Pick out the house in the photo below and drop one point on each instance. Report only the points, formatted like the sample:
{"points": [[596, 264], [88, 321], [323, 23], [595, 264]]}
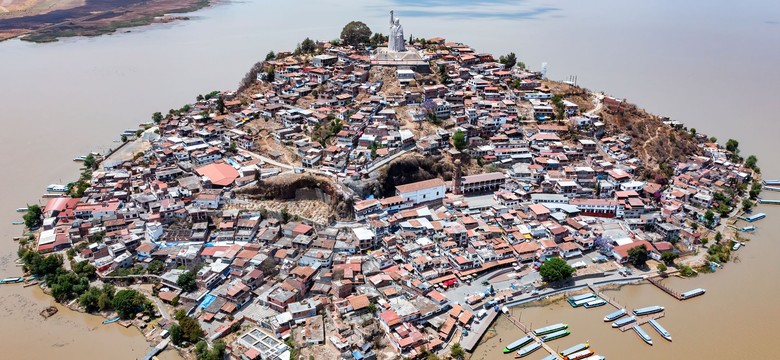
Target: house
{"points": [[422, 191]]}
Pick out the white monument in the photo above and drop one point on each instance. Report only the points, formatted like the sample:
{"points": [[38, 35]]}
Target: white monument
{"points": [[395, 41]]}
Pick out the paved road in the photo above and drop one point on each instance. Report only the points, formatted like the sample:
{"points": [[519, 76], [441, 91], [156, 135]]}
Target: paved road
{"points": [[161, 306], [387, 160]]}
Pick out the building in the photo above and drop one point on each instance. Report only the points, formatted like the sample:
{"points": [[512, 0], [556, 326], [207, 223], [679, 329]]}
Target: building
{"points": [[482, 182], [422, 191]]}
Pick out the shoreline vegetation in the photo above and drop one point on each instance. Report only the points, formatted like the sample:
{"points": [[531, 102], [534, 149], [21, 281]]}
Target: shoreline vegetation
{"points": [[95, 19], [663, 143]]}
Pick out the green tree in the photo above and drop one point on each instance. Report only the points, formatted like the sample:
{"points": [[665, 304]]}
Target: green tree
{"points": [[638, 255], [128, 302], [693, 131], [457, 352], [270, 56], [285, 215], [459, 140], [718, 237], [176, 334], [661, 267], [123, 138], [751, 163], [308, 46], [747, 205], [355, 33], [555, 269], [709, 218], [84, 268], [509, 60], [89, 299], [156, 267], [270, 76], [90, 162], [713, 139], [157, 117], [668, 257], [520, 65], [33, 218], [191, 330], [186, 281], [732, 145]]}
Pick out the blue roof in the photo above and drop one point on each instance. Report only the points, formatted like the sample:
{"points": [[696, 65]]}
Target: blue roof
{"points": [[357, 355]]}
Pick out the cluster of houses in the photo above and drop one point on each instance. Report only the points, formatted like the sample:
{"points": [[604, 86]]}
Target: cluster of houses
{"points": [[549, 195]]}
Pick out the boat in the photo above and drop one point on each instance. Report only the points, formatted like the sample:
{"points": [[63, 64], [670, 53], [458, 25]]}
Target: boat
{"points": [[581, 297], [529, 349], [11, 280], [21, 209], [665, 334], [736, 246], [57, 188], [579, 303], [579, 355], [692, 293], [595, 303], [112, 320], [518, 343], [48, 312], [81, 158], [555, 335], [771, 182], [747, 228], [615, 315], [551, 357], [754, 217], [17, 222], [51, 195], [642, 334], [623, 322], [574, 349], [648, 310], [550, 329], [595, 357]]}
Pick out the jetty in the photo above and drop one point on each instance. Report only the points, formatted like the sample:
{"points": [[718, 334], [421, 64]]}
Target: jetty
{"points": [[530, 333], [640, 320], [157, 349], [609, 300], [665, 288], [470, 341]]}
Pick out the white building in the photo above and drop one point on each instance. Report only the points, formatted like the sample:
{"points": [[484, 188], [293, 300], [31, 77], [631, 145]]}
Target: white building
{"points": [[422, 191], [153, 231]]}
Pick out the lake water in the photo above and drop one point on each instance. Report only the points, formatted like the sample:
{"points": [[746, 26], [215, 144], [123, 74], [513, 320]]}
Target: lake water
{"points": [[709, 64]]}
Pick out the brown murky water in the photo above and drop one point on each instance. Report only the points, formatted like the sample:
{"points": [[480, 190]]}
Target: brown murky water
{"points": [[711, 66]]}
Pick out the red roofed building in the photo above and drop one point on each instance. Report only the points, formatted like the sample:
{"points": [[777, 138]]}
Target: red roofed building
{"points": [[219, 175]]}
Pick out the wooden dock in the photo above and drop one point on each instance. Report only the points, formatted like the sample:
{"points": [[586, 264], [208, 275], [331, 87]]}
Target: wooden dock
{"points": [[665, 288], [609, 300], [530, 333], [642, 320]]}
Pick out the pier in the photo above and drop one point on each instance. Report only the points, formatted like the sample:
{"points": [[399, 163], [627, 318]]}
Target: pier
{"points": [[157, 349], [640, 320], [530, 333], [665, 288], [607, 299], [470, 341]]}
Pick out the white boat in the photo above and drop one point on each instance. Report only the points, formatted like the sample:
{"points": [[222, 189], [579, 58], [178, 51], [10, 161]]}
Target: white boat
{"points": [[574, 349], [21, 210], [736, 246], [596, 303], [615, 315], [665, 334], [624, 321], [80, 158], [693, 293], [57, 188], [642, 334], [529, 349], [648, 310]]}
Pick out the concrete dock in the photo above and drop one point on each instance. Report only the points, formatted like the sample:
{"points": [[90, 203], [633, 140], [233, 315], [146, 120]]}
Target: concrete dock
{"points": [[470, 341], [640, 320]]}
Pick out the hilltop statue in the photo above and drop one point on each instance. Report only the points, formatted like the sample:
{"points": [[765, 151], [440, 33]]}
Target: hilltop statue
{"points": [[395, 41]]}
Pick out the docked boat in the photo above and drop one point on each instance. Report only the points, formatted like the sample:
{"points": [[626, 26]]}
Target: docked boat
{"points": [[550, 329], [518, 343], [581, 297], [623, 322], [582, 354], [642, 334], [754, 217], [595, 357], [551, 357], [57, 188], [582, 302], [555, 335], [81, 158], [665, 334], [736, 246], [21, 209], [771, 182], [50, 195], [615, 315], [112, 320], [11, 280], [574, 349], [595, 303], [17, 222], [693, 293], [747, 228], [528, 349], [648, 310]]}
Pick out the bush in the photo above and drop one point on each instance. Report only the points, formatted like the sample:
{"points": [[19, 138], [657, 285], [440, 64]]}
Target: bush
{"points": [[555, 269]]}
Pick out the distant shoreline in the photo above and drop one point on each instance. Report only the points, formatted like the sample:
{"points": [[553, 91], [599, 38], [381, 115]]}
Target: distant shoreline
{"points": [[95, 19]]}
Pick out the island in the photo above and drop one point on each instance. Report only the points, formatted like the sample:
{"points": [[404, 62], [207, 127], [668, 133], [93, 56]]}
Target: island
{"points": [[363, 195], [47, 20]]}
